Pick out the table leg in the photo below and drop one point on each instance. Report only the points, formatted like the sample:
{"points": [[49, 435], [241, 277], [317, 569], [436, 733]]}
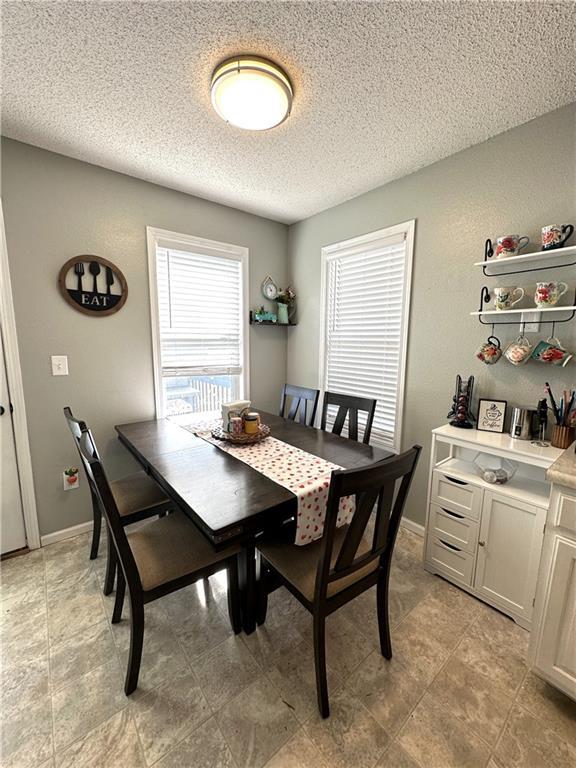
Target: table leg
{"points": [[247, 577]]}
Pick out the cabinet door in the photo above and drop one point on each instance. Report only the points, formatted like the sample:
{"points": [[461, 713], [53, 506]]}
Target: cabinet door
{"points": [[509, 547], [556, 653]]}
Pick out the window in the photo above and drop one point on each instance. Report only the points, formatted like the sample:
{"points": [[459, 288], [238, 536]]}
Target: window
{"points": [[199, 311], [366, 297]]}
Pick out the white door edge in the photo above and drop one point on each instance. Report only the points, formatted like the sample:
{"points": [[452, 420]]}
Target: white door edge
{"points": [[14, 375]]}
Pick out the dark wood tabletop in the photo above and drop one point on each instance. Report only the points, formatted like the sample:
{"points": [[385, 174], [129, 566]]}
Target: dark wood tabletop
{"points": [[225, 497]]}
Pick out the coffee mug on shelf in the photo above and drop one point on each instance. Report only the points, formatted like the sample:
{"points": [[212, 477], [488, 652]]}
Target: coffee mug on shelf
{"points": [[510, 245], [490, 351], [504, 297], [556, 235], [548, 294], [551, 351], [518, 352]]}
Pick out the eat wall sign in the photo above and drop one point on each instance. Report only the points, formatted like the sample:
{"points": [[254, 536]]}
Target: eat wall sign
{"points": [[93, 285]]}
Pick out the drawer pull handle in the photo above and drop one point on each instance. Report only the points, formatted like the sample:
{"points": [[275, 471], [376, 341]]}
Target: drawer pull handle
{"points": [[450, 546], [454, 480], [452, 514], [481, 543]]}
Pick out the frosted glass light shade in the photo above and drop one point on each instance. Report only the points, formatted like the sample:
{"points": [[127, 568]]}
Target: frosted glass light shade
{"points": [[251, 93]]}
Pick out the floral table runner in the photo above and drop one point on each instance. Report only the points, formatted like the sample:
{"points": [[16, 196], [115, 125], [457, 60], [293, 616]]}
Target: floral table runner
{"points": [[306, 475]]}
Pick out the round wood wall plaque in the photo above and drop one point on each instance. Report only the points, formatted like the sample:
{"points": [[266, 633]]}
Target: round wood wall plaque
{"points": [[93, 285]]}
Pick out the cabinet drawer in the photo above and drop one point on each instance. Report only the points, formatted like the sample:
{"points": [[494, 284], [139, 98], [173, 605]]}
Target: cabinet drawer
{"points": [[450, 560], [453, 528], [456, 495], [567, 512]]}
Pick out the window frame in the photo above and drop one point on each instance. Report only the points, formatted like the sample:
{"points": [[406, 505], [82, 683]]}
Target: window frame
{"points": [[163, 238], [341, 248]]}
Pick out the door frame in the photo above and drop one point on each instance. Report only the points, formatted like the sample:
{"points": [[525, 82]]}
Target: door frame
{"points": [[14, 376]]}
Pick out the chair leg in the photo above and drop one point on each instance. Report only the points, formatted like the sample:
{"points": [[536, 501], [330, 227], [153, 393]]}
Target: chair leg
{"points": [[97, 515], [119, 601], [383, 618], [234, 609], [262, 602], [111, 564], [136, 642], [320, 663]]}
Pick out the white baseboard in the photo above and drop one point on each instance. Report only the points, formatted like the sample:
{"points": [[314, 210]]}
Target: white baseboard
{"points": [[412, 526], [66, 533]]}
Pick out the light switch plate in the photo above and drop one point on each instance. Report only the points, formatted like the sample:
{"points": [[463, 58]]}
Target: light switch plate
{"points": [[59, 365]]}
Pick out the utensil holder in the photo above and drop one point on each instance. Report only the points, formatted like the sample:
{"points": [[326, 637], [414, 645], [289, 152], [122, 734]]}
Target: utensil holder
{"points": [[562, 437]]}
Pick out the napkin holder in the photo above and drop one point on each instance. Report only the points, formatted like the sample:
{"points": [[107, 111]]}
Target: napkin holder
{"points": [[233, 409]]}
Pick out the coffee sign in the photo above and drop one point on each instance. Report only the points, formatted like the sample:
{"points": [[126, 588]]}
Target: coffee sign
{"points": [[93, 285]]}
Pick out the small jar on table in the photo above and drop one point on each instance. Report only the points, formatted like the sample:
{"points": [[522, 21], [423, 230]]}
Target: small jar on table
{"points": [[251, 423]]}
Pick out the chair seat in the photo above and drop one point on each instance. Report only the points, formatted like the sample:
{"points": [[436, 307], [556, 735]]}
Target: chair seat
{"points": [[137, 493], [171, 547], [299, 565]]}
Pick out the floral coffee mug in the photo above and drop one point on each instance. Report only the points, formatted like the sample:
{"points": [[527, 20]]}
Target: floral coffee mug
{"points": [[551, 351], [510, 245], [518, 352], [490, 351], [504, 297], [555, 235], [548, 294]]}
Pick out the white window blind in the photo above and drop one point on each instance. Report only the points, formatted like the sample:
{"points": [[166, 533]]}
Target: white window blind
{"points": [[366, 300], [198, 291], [199, 307]]}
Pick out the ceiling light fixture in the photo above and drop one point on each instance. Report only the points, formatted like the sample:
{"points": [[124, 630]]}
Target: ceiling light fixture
{"points": [[251, 93]]}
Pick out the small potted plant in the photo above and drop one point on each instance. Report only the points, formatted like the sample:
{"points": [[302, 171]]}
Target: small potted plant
{"points": [[286, 301]]}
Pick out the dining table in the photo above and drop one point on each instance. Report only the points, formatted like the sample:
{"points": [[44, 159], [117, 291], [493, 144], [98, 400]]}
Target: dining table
{"points": [[228, 500]]}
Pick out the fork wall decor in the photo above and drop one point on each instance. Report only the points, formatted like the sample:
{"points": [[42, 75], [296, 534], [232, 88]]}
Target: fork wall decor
{"points": [[93, 285]]}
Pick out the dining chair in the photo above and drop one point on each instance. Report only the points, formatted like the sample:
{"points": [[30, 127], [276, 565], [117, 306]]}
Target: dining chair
{"points": [[158, 558], [349, 405], [347, 560], [137, 497], [298, 399]]}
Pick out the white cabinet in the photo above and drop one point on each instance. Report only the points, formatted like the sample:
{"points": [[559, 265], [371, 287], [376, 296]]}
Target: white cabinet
{"points": [[553, 640], [509, 549], [487, 538]]}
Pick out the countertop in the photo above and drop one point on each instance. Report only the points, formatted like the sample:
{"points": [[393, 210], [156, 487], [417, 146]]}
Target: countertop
{"points": [[563, 471]]}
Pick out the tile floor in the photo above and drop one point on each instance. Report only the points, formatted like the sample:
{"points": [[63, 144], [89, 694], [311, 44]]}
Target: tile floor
{"points": [[456, 694]]}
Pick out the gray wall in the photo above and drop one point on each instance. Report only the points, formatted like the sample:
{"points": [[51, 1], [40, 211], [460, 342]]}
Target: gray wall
{"points": [[514, 183], [56, 208]]}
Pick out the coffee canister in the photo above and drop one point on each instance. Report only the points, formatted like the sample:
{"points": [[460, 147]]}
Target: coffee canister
{"points": [[522, 423]]}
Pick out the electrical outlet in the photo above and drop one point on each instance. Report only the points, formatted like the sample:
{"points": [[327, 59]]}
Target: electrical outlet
{"points": [[59, 365], [70, 479]]}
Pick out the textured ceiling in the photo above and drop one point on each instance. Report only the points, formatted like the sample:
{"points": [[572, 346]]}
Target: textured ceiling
{"points": [[381, 89]]}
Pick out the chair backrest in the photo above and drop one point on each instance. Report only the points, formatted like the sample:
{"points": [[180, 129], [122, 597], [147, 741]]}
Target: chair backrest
{"points": [[100, 486], [300, 397], [349, 405], [380, 490]]}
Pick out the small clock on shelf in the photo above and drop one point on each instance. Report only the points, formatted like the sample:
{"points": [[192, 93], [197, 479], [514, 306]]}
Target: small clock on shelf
{"points": [[269, 289]]}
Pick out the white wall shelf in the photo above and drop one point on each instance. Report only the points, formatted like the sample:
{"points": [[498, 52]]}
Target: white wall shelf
{"points": [[524, 311], [529, 262], [522, 315]]}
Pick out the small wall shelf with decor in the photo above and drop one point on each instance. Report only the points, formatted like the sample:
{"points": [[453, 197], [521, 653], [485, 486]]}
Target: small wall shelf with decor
{"points": [[253, 321], [529, 262]]}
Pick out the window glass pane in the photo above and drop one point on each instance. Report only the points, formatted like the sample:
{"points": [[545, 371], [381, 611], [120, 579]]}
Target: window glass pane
{"points": [[198, 394]]}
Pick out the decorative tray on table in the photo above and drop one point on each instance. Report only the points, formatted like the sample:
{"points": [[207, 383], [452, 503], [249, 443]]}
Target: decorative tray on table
{"points": [[242, 438]]}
